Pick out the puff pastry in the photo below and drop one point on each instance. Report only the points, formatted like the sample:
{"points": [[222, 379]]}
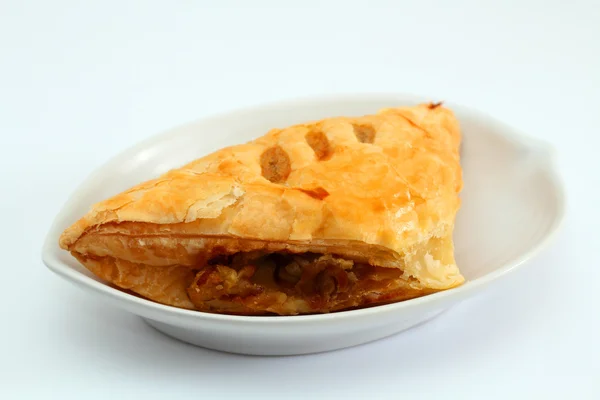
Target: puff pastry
{"points": [[318, 217]]}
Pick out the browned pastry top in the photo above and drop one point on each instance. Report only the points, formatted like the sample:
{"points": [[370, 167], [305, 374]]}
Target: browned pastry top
{"points": [[379, 189]]}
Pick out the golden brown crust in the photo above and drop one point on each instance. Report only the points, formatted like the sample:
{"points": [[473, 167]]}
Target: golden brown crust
{"points": [[382, 187], [165, 285]]}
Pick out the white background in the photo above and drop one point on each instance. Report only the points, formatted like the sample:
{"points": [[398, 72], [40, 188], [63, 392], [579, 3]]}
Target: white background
{"points": [[80, 82]]}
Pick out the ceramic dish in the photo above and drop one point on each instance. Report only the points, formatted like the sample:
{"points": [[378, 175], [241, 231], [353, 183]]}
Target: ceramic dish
{"points": [[512, 203]]}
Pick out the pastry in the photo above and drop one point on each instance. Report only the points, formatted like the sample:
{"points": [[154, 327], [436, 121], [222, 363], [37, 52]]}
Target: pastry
{"points": [[324, 216]]}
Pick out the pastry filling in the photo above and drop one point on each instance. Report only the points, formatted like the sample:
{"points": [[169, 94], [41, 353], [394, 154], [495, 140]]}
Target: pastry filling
{"points": [[278, 283]]}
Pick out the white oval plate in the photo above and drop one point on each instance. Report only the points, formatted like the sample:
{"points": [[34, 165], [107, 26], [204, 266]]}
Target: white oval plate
{"points": [[512, 203]]}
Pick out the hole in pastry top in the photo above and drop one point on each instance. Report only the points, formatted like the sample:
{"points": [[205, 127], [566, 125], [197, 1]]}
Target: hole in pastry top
{"points": [[320, 144], [364, 133], [275, 164], [317, 193]]}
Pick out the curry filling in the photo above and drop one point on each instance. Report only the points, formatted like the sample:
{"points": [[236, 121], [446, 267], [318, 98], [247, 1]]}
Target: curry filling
{"points": [[278, 283]]}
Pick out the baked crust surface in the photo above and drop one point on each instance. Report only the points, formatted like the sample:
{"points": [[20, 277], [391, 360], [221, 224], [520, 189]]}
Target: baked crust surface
{"points": [[379, 190]]}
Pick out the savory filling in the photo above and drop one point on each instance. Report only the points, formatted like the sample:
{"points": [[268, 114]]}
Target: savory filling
{"points": [[278, 283]]}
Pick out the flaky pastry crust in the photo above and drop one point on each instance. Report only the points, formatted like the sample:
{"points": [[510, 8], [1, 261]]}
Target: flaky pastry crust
{"points": [[380, 190]]}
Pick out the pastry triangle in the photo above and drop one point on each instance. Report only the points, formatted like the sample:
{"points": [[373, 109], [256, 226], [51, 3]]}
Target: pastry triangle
{"points": [[318, 217]]}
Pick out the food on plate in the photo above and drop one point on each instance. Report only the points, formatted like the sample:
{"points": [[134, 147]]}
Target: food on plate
{"points": [[324, 216]]}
